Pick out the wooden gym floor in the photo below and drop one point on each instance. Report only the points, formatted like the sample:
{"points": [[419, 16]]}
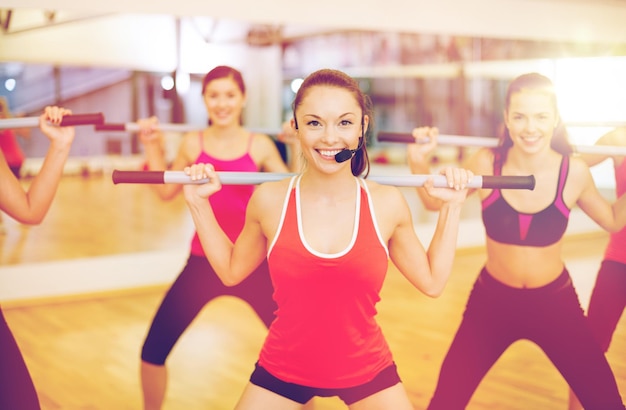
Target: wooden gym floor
{"points": [[83, 352]]}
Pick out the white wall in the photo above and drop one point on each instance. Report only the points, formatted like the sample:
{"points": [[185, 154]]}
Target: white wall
{"points": [[149, 42]]}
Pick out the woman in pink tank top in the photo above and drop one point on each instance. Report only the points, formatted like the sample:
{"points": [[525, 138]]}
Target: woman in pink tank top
{"points": [[328, 235], [608, 298], [10, 146], [227, 145]]}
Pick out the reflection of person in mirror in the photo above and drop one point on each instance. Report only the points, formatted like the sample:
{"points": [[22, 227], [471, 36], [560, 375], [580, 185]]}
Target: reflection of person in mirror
{"points": [[608, 298], [328, 235], [228, 145], [524, 290], [10, 146], [29, 207]]}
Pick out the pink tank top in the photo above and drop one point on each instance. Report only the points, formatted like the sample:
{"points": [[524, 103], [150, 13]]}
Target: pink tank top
{"points": [[11, 148], [229, 204], [325, 334], [616, 250]]}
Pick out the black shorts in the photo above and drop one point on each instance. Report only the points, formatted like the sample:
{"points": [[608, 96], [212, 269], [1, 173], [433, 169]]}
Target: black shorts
{"points": [[387, 377]]}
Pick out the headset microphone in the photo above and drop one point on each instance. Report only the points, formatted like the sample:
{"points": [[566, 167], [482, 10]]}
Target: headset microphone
{"points": [[346, 154]]}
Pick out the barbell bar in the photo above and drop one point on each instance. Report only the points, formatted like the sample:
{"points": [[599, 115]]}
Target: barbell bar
{"points": [[67, 121], [253, 178], [607, 124], [169, 127], [468, 141]]}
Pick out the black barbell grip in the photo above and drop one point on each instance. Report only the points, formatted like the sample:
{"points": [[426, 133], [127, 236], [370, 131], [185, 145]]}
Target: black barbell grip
{"points": [[138, 177], [508, 182], [111, 127], [82, 119]]}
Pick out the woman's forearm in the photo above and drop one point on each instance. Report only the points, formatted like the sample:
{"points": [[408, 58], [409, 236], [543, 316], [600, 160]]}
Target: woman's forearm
{"points": [[155, 156], [217, 246], [443, 246], [42, 190]]}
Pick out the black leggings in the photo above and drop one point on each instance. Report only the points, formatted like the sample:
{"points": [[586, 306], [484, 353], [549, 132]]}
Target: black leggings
{"points": [[16, 386], [196, 286], [497, 315], [607, 302], [386, 378]]}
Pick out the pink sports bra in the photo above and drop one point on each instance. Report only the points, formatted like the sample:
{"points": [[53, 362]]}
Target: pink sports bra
{"points": [[229, 204]]}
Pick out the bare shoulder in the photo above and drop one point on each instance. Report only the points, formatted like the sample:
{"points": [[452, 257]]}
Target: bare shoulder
{"points": [[266, 205], [266, 154], [579, 180], [481, 162], [188, 150], [578, 168], [191, 138], [262, 141], [190, 144], [270, 195], [386, 198], [390, 208]]}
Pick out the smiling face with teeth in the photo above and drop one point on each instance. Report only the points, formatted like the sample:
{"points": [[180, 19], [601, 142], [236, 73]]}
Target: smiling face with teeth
{"points": [[331, 114], [531, 118], [329, 120]]}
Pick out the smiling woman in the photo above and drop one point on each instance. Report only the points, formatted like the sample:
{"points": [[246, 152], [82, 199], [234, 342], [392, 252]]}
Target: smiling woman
{"points": [[288, 222], [229, 146], [524, 290]]}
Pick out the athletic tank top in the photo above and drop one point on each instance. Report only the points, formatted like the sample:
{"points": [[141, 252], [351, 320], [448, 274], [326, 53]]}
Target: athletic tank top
{"points": [[616, 249], [325, 334], [229, 203], [506, 225], [11, 148]]}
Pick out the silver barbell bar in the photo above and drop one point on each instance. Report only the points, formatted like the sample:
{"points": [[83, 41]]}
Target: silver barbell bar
{"points": [[607, 124], [254, 178], [171, 127], [468, 141], [67, 121]]}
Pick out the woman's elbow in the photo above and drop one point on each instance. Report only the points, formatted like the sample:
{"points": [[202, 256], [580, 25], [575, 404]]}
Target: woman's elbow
{"points": [[166, 196], [433, 291], [230, 282], [30, 219], [613, 227], [431, 206], [433, 295]]}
